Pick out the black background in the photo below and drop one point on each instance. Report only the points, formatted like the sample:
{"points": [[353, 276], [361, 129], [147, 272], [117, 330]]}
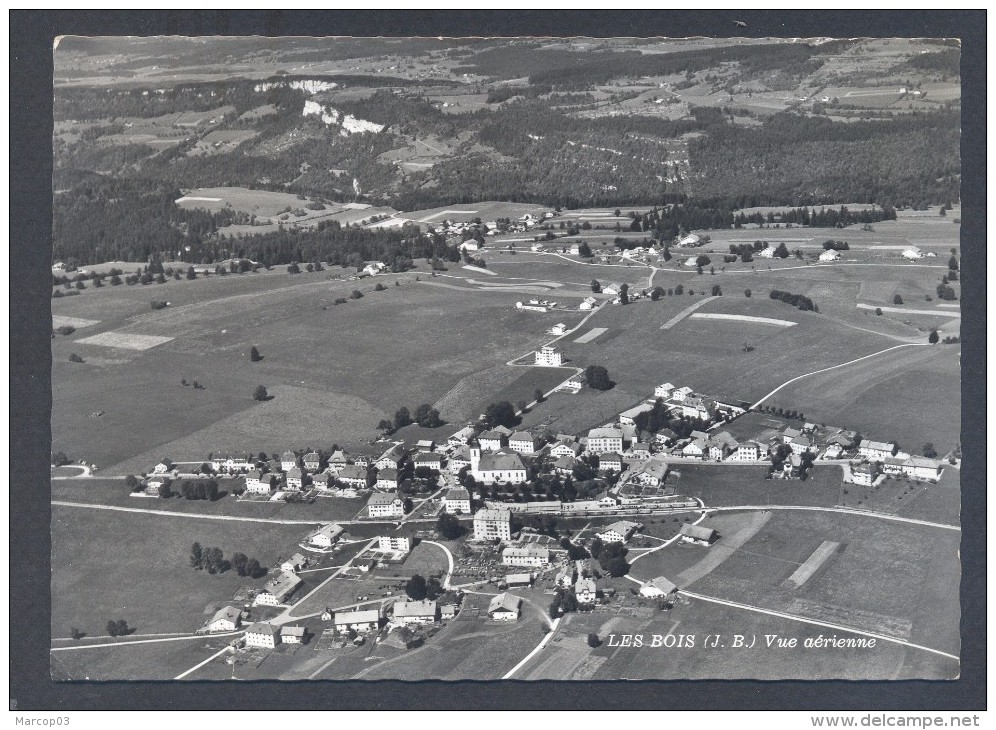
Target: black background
{"points": [[31, 41]]}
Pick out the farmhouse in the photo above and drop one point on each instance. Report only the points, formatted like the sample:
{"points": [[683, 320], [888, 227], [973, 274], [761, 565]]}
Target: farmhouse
{"points": [[387, 479], [519, 580], [801, 445], [749, 451], [362, 460], [312, 462], [461, 437], [619, 531], [261, 484], [766, 253], [358, 621], [263, 635], [564, 466], [392, 543], [585, 590], [698, 407], [288, 460], [393, 458], [627, 417], [659, 587], [530, 556], [697, 535], [663, 391], [385, 505], [650, 474], [522, 442], [680, 394], [322, 481], [912, 253], [829, 255], [549, 357], [492, 440], [374, 268], [163, 467], [230, 464], [408, 613], [876, 450], [610, 462], [326, 536], [689, 240], [295, 479], [278, 590], [920, 467], [294, 634], [228, 618], [602, 440], [429, 461], [566, 448], [864, 474], [497, 466], [696, 448], [565, 578], [353, 475], [558, 329], [572, 386], [504, 607], [459, 459], [588, 303], [722, 445], [457, 501], [493, 524], [845, 439], [294, 563]]}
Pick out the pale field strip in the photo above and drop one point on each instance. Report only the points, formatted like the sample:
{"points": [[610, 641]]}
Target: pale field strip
{"points": [[684, 313], [912, 311], [591, 334], [745, 318], [954, 306], [445, 212], [815, 561], [125, 341], [197, 198], [59, 320]]}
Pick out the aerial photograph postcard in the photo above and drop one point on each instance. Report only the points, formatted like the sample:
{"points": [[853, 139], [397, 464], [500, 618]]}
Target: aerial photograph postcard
{"points": [[505, 358]]}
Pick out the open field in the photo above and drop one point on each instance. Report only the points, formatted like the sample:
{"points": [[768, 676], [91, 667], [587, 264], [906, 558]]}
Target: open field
{"points": [[134, 566], [164, 660], [876, 397]]}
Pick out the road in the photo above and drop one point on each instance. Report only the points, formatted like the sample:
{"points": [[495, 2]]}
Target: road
{"points": [[685, 312], [840, 510], [834, 367], [194, 515], [449, 558]]}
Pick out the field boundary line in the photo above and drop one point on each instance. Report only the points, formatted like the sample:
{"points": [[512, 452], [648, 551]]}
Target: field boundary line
{"points": [[194, 515], [838, 510], [834, 367], [206, 661], [539, 647], [685, 312], [815, 622], [145, 641]]}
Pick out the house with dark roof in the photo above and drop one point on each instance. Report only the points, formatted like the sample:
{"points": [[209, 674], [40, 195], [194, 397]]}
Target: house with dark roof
{"points": [[228, 618], [278, 589], [387, 480], [456, 501], [288, 460], [504, 607], [697, 534], [312, 462]]}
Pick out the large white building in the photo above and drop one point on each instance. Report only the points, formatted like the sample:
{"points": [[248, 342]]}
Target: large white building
{"points": [[531, 556], [394, 543], [278, 590], [523, 442], [263, 635], [385, 505], [601, 440], [493, 524], [619, 531], [876, 450], [663, 391], [457, 501], [497, 466], [549, 357]]}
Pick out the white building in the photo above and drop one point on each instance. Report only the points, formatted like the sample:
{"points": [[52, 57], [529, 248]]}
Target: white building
{"points": [[619, 531], [530, 556], [326, 536], [601, 440], [385, 505], [394, 543], [288, 460], [558, 329], [457, 501], [408, 613], [497, 466], [680, 394], [522, 442], [358, 621], [278, 590], [549, 357], [493, 524], [228, 618], [294, 563], [293, 634], [659, 587], [829, 255], [588, 303], [876, 450], [585, 590], [263, 635], [663, 391], [504, 607], [461, 437], [920, 467]]}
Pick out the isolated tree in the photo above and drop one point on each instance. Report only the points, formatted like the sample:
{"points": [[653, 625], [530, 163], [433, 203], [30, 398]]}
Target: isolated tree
{"points": [[501, 413], [538, 395], [191, 274], [293, 269], [782, 251], [656, 293], [356, 294], [131, 481], [112, 628], [123, 628], [953, 263], [593, 640], [196, 556], [933, 337], [75, 358], [717, 291], [929, 451], [584, 250], [597, 377], [385, 425], [401, 418], [878, 311], [260, 393], [747, 293], [76, 633], [254, 355], [596, 286], [897, 299], [624, 294], [240, 562], [416, 588]]}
